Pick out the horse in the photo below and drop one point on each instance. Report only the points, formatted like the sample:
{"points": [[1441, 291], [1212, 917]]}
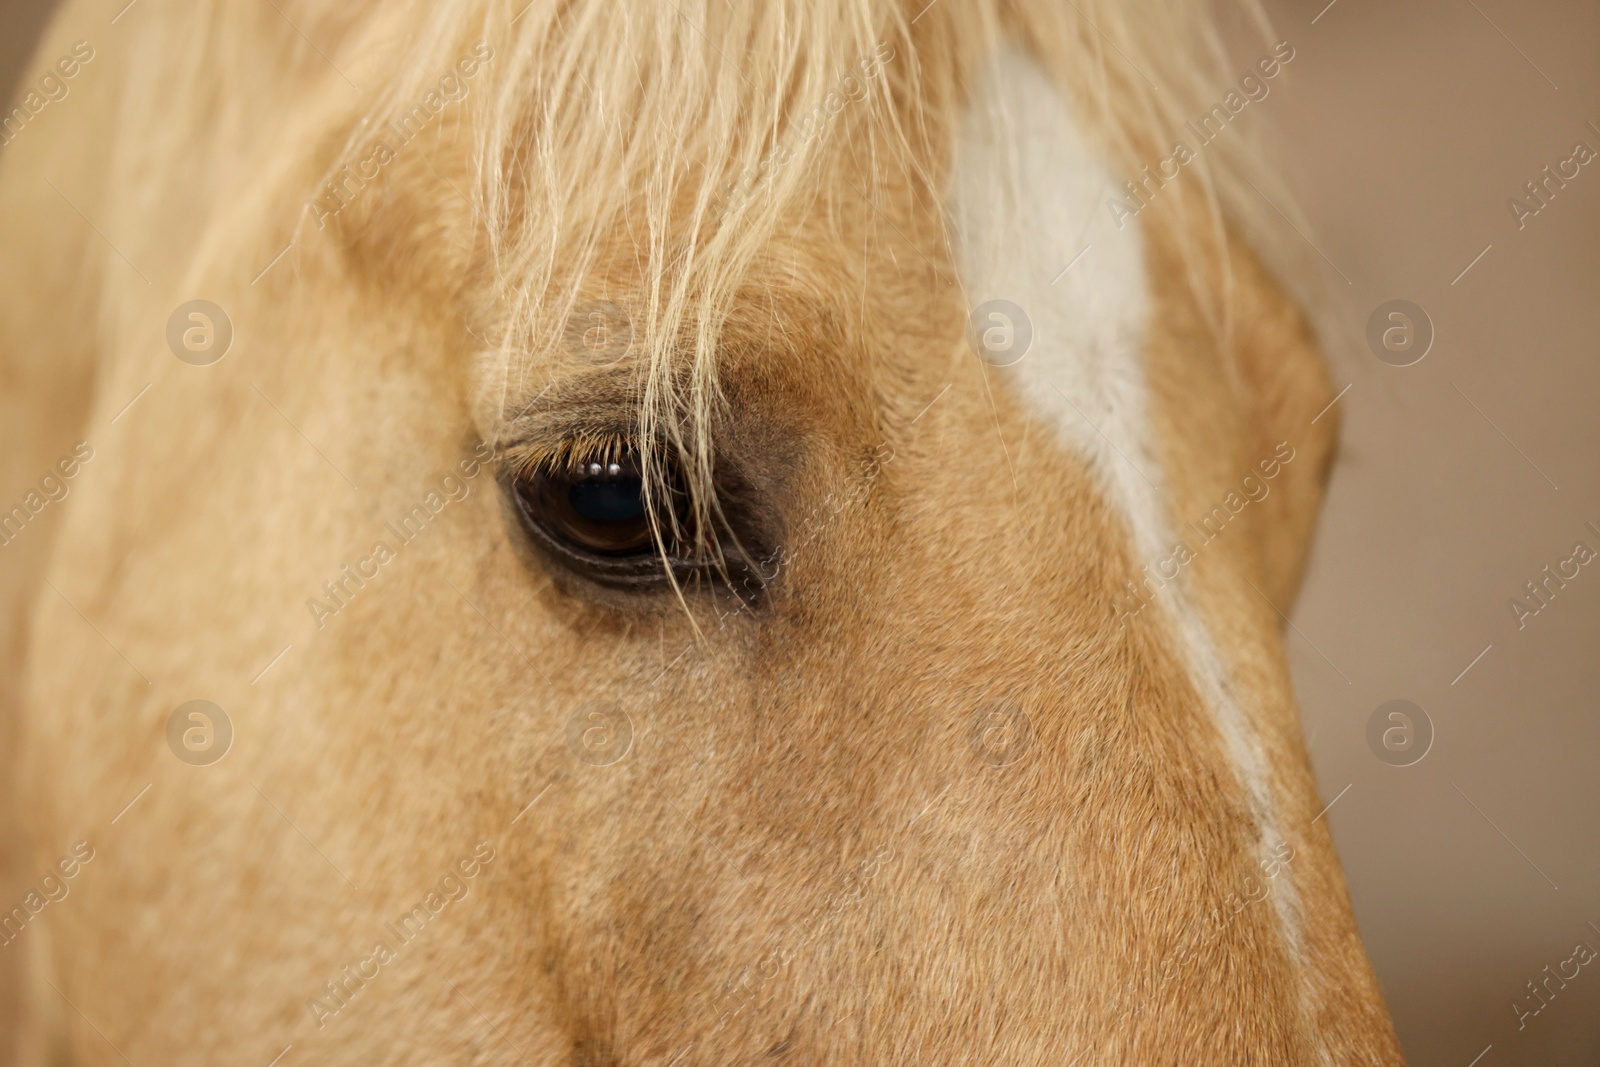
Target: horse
{"points": [[617, 532]]}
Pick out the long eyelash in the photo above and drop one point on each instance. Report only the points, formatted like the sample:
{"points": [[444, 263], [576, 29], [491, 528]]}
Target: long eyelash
{"points": [[569, 453]]}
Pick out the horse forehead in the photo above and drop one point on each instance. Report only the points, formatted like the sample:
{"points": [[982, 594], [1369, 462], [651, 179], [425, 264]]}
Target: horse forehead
{"points": [[1029, 200], [1028, 194]]}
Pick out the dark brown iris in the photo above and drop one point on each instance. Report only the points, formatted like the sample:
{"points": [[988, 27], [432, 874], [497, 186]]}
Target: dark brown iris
{"points": [[596, 507]]}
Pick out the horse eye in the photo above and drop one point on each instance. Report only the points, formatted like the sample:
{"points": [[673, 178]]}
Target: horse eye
{"points": [[592, 518], [596, 508]]}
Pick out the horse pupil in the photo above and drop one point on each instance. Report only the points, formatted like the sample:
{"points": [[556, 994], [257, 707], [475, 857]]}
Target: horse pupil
{"points": [[608, 499]]}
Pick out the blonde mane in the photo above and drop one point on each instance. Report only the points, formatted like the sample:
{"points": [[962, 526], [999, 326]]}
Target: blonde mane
{"points": [[698, 129]]}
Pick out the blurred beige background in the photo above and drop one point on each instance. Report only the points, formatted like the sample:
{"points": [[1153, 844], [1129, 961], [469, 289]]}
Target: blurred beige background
{"points": [[1403, 130]]}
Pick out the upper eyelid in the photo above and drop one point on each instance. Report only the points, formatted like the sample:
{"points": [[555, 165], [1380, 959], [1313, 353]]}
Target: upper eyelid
{"points": [[594, 412], [564, 399], [549, 448]]}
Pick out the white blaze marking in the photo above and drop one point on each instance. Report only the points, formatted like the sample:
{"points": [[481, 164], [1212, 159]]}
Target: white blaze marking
{"points": [[1027, 192]]}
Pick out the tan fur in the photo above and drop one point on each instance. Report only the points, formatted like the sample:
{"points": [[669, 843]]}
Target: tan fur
{"points": [[801, 857]]}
